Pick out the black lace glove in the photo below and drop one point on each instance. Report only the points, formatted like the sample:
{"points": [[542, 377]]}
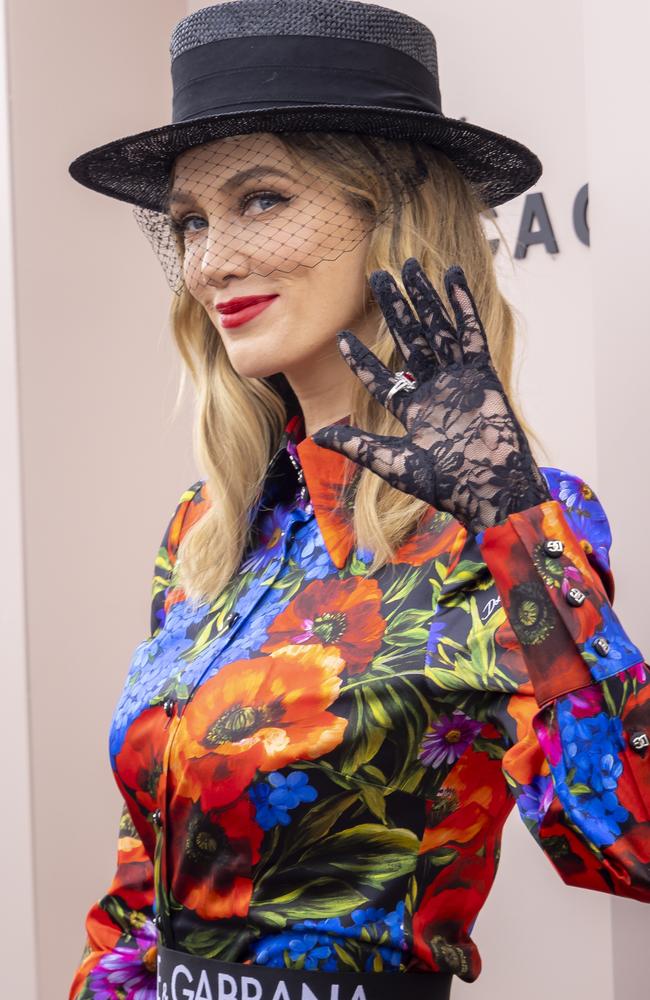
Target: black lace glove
{"points": [[464, 451]]}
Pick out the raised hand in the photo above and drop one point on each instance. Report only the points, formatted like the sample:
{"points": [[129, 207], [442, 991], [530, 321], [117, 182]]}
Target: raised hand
{"points": [[464, 450]]}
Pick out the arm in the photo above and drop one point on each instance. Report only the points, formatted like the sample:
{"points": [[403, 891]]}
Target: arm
{"points": [[579, 766], [188, 510], [121, 937], [465, 452]]}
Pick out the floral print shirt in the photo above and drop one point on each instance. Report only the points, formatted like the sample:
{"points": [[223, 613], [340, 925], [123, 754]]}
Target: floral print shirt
{"points": [[317, 766]]}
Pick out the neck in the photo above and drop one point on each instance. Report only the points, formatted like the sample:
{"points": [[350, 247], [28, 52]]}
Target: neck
{"points": [[324, 385]]}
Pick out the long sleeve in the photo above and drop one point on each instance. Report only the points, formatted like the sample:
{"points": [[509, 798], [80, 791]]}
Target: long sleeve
{"points": [[119, 953], [120, 945], [579, 765]]}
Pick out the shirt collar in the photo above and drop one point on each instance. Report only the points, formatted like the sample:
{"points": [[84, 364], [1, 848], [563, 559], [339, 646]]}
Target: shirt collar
{"points": [[324, 474]]}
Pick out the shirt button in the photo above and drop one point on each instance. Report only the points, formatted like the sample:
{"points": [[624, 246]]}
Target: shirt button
{"points": [[157, 921], [169, 705], [232, 619], [639, 742], [553, 547], [575, 597], [601, 645], [156, 819]]}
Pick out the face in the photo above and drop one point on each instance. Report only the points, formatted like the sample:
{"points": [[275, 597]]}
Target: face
{"points": [[256, 226]]}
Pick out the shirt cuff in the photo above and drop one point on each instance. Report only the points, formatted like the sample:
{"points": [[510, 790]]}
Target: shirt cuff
{"points": [[555, 601]]}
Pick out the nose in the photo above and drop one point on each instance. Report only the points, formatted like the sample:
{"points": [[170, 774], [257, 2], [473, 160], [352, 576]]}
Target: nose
{"points": [[219, 256]]}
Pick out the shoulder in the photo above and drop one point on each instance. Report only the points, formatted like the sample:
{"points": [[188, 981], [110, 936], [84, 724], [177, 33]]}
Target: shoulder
{"points": [[192, 504]]}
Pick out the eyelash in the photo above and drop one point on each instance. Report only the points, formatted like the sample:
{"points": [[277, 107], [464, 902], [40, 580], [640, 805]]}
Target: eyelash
{"points": [[178, 225]]}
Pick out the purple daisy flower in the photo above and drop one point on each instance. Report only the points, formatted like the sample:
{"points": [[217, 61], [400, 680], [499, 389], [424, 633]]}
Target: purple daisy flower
{"points": [[128, 972], [448, 739]]}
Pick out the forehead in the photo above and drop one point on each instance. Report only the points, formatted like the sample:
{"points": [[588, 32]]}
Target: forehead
{"points": [[223, 159]]}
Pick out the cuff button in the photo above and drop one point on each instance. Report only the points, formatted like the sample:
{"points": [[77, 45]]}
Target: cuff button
{"points": [[575, 597], [601, 646], [553, 547], [639, 742]]}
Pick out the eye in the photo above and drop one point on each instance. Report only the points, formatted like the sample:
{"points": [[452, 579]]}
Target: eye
{"points": [[262, 197], [266, 200], [180, 225]]}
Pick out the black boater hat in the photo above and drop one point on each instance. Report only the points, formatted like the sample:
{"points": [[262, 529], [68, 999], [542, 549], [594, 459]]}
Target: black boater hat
{"points": [[303, 66]]}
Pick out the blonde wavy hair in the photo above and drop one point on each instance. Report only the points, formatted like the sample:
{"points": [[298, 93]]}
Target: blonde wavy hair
{"points": [[239, 420]]}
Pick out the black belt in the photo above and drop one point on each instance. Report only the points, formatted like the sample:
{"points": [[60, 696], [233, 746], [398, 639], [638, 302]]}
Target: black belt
{"points": [[185, 977]]}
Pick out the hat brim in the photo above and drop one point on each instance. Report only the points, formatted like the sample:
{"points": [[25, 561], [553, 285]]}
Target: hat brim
{"points": [[136, 168]]}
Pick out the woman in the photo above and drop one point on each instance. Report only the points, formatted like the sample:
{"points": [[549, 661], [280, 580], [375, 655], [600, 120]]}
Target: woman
{"points": [[376, 624]]}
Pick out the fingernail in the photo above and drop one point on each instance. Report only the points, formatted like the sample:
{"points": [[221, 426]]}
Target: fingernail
{"points": [[378, 278], [456, 273]]}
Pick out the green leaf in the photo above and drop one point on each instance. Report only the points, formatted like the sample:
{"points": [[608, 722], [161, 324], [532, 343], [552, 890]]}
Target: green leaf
{"points": [[320, 820], [118, 912], [346, 960], [375, 774], [581, 789], [213, 944], [316, 899], [402, 586], [441, 856], [374, 854], [495, 751], [408, 628], [366, 742], [375, 801], [376, 708]]}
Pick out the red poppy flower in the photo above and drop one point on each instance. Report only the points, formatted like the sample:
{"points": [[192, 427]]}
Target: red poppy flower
{"points": [[577, 864], [344, 614], [477, 804], [214, 852], [139, 762], [263, 713], [434, 535], [448, 907]]}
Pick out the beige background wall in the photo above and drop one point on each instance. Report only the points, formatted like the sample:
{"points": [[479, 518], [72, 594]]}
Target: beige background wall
{"points": [[87, 356]]}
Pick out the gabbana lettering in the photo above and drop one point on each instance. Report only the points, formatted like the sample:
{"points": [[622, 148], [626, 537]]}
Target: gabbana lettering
{"points": [[227, 987]]}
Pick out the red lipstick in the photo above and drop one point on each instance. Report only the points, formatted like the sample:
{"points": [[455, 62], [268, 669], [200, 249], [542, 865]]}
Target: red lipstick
{"points": [[234, 312]]}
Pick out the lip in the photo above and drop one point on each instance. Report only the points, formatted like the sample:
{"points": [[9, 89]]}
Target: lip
{"points": [[234, 305], [239, 311]]}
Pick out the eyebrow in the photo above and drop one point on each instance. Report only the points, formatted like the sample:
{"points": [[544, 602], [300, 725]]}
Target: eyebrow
{"points": [[253, 173]]}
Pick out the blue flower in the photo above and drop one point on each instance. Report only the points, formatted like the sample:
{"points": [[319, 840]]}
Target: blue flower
{"points": [[436, 632], [275, 797], [587, 775], [148, 673], [622, 652], [535, 798], [272, 526], [315, 942], [310, 552], [313, 951], [583, 511]]}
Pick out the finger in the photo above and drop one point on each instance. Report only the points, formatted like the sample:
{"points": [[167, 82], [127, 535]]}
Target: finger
{"points": [[405, 329], [376, 377], [434, 318], [377, 452], [470, 328]]}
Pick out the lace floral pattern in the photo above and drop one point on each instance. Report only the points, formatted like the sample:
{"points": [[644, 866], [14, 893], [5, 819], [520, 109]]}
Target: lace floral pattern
{"points": [[464, 451]]}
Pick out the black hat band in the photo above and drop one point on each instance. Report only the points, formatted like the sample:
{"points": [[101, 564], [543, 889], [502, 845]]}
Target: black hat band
{"points": [[259, 71]]}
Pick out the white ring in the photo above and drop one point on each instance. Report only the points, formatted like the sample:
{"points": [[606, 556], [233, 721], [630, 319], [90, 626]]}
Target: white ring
{"points": [[401, 382]]}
